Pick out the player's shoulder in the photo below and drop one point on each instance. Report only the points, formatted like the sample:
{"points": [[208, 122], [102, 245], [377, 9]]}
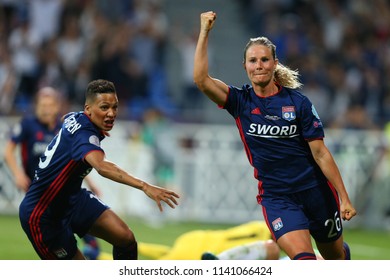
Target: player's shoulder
{"points": [[243, 93], [29, 119], [297, 97], [76, 123], [245, 89], [28, 123], [294, 93], [76, 117]]}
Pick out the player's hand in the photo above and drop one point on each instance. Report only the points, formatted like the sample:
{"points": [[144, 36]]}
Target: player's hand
{"points": [[347, 211], [160, 194], [207, 20], [22, 181]]}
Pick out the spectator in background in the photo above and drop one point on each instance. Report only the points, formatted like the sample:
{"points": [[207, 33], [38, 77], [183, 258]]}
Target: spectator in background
{"points": [[113, 62], [156, 134], [71, 50], [355, 118], [44, 18], [24, 46], [50, 68], [333, 22], [9, 10], [191, 103], [147, 49], [8, 81]]}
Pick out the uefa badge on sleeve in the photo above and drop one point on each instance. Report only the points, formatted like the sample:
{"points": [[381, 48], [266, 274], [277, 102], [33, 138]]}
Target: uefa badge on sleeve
{"points": [[288, 113]]}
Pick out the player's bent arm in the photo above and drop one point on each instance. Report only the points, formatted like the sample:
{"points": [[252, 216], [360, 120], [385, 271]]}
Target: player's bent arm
{"points": [[9, 157], [113, 172], [215, 89], [328, 166], [21, 179]]}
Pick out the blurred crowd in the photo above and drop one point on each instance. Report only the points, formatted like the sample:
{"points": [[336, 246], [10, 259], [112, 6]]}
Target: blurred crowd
{"points": [[67, 43], [341, 49]]}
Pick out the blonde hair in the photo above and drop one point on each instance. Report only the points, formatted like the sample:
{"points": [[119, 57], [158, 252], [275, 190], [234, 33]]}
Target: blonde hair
{"points": [[283, 75]]}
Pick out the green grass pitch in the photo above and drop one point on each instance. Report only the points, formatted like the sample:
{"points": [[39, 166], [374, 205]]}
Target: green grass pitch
{"points": [[365, 244]]}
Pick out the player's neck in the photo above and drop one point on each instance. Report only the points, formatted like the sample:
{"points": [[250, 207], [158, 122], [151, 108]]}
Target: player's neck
{"points": [[269, 90]]}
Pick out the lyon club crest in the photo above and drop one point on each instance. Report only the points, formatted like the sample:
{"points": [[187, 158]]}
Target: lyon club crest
{"points": [[288, 113], [277, 224]]}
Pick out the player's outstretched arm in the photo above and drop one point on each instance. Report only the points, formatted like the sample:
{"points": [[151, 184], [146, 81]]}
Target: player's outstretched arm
{"points": [[113, 172]]}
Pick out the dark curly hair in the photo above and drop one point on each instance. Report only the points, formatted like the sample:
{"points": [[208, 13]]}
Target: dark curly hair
{"points": [[97, 87]]}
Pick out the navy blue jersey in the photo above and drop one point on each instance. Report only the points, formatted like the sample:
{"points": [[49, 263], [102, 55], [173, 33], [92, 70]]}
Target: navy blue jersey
{"points": [[275, 131], [33, 138], [62, 168]]}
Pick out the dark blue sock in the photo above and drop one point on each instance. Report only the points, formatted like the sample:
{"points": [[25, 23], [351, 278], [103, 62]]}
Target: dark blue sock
{"points": [[305, 256], [125, 253], [347, 251]]}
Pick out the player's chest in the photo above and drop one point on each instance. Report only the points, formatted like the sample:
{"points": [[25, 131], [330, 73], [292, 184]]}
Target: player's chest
{"points": [[271, 111], [270, 119]]}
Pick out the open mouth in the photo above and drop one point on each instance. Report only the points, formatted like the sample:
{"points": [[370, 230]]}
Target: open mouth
{"points": [[109, 123]]}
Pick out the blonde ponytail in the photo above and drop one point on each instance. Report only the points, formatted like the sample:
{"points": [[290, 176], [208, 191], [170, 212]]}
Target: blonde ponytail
{"points": [[287, 77]]}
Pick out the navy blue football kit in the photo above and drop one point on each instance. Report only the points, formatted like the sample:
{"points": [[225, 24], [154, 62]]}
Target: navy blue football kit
{"points": [[55, 205], [275, 131]]}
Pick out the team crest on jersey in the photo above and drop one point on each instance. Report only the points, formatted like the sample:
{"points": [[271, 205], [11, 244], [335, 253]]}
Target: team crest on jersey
{"points": [[288, 113], [277, 224]]}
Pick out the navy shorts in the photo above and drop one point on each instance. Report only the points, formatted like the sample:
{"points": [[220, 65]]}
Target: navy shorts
{"points": [[316, 209], [55, 238]]}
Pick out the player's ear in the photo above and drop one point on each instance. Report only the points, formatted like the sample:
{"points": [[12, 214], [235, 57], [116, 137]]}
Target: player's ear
{"points": [[87, 110]]}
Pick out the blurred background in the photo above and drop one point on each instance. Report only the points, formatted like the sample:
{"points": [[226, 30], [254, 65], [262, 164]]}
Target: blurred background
{"points": [[168, 132]]}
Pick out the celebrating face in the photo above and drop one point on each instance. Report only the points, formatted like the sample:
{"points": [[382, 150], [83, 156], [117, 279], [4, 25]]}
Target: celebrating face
{"points": [[260, 65], [103, 110]]}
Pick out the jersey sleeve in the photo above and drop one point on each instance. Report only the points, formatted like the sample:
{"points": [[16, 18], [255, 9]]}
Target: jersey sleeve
{"points": [[235, 100], [85, 141], [19, 132], [312, 127]]}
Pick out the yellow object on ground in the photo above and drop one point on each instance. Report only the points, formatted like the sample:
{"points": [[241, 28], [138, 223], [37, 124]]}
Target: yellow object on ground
{"points": [[191, 245]]}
